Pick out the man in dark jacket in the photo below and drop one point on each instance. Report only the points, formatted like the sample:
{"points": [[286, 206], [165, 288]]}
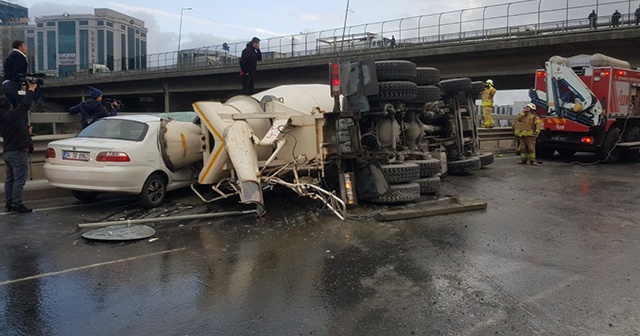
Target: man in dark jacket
{"points": [[16, 148], [249, 64], [92, 108], [15, 66]]}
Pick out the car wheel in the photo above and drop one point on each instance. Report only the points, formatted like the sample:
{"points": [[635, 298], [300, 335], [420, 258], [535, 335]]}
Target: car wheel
{"points": [[455, 85], [396, 71], [84, 196], [399, 193], [429, 185], [153, 191], [428, 167], [428, 93], [609, 152], [427, 76], [396, 90], [401, 173], [464, 167]]}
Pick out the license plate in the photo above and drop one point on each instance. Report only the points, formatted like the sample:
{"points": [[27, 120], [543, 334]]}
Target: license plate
{"points": [[79, 156], [559, 138]]}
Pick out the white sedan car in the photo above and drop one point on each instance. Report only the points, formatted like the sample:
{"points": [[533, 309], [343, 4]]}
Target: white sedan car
{"points": [[134, 154]]}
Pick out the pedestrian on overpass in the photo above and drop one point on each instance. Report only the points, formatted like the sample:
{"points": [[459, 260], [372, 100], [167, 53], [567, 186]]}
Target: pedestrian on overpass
{"points": [[637, 15], [487, 103], [16, 149], [593, 20], [249, 64], [615, 18], [527, 128]]}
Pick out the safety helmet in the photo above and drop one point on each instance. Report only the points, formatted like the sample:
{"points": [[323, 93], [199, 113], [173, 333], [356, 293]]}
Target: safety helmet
{"points": [[531, 106], [489, 82]]}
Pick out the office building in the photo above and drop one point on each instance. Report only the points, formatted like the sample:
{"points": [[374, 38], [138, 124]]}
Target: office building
{"points": [[71, 43]]}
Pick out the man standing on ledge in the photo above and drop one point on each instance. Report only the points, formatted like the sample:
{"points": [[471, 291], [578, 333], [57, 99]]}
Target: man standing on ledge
{"points": [[249, 64], [487, 103]]}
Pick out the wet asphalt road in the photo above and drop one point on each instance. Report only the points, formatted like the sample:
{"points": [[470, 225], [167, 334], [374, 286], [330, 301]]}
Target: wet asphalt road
{"points": [[555, 253]]}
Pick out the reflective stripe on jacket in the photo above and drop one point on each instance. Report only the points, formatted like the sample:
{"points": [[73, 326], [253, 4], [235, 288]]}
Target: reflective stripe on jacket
{"points": [[528, 124], [487, 96]]}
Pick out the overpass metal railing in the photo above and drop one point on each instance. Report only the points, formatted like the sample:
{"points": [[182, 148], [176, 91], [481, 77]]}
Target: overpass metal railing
{"points": [[516, 19]]}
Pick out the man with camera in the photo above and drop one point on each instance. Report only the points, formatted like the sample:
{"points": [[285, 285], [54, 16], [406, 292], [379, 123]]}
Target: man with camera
{"points": [[16, 148], [92, 109]]}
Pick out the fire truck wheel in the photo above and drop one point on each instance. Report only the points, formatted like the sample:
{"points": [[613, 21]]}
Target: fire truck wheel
{"points": [[396, 71], [427, 76], [401, 173], [428, 93], [429, 185], [396, 90], [544, 152], [566, 153], [609, 152], [84, 196], [486, 159], [455, 85], [428, 167], [463, 167], [399, 193], [632, 136]]}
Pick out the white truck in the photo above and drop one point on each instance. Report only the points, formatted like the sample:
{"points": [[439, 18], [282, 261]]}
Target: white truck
{"points": [[381, 132]]}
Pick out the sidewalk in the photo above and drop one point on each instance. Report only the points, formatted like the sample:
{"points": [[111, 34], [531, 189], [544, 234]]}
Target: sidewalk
{"points": [[37, 190]]}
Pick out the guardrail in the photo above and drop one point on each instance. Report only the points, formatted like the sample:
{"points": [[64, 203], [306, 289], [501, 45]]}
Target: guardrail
{"points": [[498, 138]]}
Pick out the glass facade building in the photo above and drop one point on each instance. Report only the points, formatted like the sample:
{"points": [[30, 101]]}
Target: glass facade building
{"points": [[12, 14], [71, 43], [14, 25]]}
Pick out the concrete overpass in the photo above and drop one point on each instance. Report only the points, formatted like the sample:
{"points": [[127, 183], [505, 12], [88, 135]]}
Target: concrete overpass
{"points": [[510, 61]]}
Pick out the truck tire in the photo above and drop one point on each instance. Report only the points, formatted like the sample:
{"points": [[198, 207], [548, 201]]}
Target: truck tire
{"points": [[396, 90], [84, 196], [428, 93], [544, 152], [632, 136], [428, 167], [486, 159], [455, 85], [401, 173], [429, 185], [609, 153], [463, 167], [396, 71], [399, 193], [427, 76]]}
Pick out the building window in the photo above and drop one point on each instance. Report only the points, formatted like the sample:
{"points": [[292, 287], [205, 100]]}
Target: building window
{"points": [[40, 25], [123, 27], [83, 23], [40, 50], [143, 34], [131, 48], [51, 24], [30, 31], [109, 24], [84, 48], [137, 32], [101, 46], [110, 51], [52, 51], [67, 57], [123, 51], [100, 23]]}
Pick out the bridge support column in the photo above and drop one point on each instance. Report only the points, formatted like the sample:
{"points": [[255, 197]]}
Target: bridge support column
{"points": [[165, 88]]}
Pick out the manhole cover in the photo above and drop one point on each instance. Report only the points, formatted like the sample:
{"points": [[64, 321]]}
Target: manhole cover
{"points": [[121, 232]]}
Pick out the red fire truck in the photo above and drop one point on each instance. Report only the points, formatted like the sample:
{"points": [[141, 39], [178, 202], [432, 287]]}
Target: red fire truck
{"points": [[588, 103]]}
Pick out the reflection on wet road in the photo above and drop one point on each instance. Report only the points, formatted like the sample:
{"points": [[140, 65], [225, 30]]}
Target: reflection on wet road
{"points": [[553, 254]]}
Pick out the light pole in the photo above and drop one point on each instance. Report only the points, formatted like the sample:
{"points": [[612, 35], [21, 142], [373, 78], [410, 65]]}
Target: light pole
{"points": [[180, 31]]}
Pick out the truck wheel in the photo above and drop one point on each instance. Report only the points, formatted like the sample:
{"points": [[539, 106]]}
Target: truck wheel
{"points": [[486, 159], [633, 136], [84, 196], [154, 191], [609, 152], [544, 152], [566, 153], [455, 85], [463, 167], [396, 71], [429, 93], [401, 173], [427, 76], [399, 193], [428, 167], [429, 185], [397, 90]]}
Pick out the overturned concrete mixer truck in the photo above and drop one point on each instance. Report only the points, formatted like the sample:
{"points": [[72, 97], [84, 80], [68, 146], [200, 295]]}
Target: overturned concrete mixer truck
{"points": [[382, 132]]}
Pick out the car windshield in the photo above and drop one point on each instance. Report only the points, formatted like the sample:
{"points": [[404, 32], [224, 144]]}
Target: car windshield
{"points": [[115, 129]]}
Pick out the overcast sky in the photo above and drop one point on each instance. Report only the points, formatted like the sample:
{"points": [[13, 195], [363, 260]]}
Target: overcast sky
{"points": [[212, 23]]}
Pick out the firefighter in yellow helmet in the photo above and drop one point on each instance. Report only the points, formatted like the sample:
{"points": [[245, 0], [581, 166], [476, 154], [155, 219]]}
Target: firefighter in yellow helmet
{"points": [[527, 128], [487, 103]]}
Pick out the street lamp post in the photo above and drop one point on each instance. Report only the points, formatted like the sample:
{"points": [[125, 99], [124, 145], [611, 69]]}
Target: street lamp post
{"points": [[180, 31]]}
